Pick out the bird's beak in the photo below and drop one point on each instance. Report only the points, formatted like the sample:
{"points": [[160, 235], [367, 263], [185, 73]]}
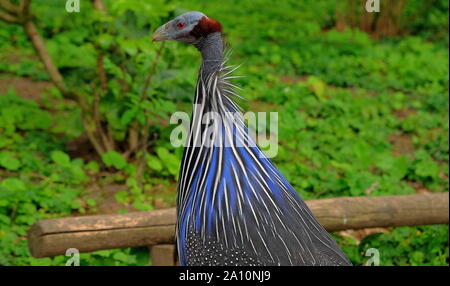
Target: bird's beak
{"points": [[161, 34]]}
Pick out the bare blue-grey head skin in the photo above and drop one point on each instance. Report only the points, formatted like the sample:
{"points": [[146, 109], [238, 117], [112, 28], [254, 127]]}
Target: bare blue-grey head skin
{"points": [[199, 30], [234, 207], [179, 29]]}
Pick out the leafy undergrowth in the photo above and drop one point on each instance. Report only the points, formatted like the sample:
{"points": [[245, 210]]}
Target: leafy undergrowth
{"points": [[357, 117], [402, 246]]}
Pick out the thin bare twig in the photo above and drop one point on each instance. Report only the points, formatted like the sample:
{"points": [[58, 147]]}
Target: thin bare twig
{"points": [[105, 136], [105, 139], [89, 124], [152, 72], [133, 139], [98, 125], [92, 138], [109, 135], [96, 102], [101, 73], [145, 132]]}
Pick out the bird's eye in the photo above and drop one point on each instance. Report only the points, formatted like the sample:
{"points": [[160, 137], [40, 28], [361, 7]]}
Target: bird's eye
{"points": [[180, 25]]}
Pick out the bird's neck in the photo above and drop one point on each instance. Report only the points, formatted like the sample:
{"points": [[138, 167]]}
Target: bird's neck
{"points": [[211, 48]]}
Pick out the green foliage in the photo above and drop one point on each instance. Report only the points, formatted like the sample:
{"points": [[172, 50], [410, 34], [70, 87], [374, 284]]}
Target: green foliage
{"points": [[428, 20], [169, 163], [425, 245], [357, 117], [112, 158], [8, 161], [128, 256]]}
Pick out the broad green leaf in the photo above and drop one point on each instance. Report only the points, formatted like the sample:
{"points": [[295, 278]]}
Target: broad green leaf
{"points": [[114, 159], [154, 163], [60, 158], [13, 184], [8, 162]]}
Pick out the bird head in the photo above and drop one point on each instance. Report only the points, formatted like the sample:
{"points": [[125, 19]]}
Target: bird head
{"points": [[189, 28]]}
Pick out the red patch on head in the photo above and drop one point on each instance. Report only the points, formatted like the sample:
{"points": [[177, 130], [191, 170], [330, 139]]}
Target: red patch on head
{"points": [[206, 26]]}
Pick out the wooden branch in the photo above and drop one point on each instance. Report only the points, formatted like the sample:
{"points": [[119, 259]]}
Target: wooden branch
{"points": [[8, 18], [102, 73], [25, 7], [24, 18], [133, 139], [45, 57], [89, 127], [99, 5], [97, 129], [88, 233], [105, 135], [9, 7]]}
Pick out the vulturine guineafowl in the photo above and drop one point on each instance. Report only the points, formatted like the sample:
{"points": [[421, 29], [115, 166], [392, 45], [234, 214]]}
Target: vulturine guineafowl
{"points": [[234, 207]]}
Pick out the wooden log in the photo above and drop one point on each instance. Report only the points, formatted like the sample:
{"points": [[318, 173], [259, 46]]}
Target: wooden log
{"points": [[163, 255], [88, 233], [384, 211]]}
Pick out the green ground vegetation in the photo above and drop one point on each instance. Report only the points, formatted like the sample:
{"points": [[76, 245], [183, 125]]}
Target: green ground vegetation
{"points": [[359, 114]]}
